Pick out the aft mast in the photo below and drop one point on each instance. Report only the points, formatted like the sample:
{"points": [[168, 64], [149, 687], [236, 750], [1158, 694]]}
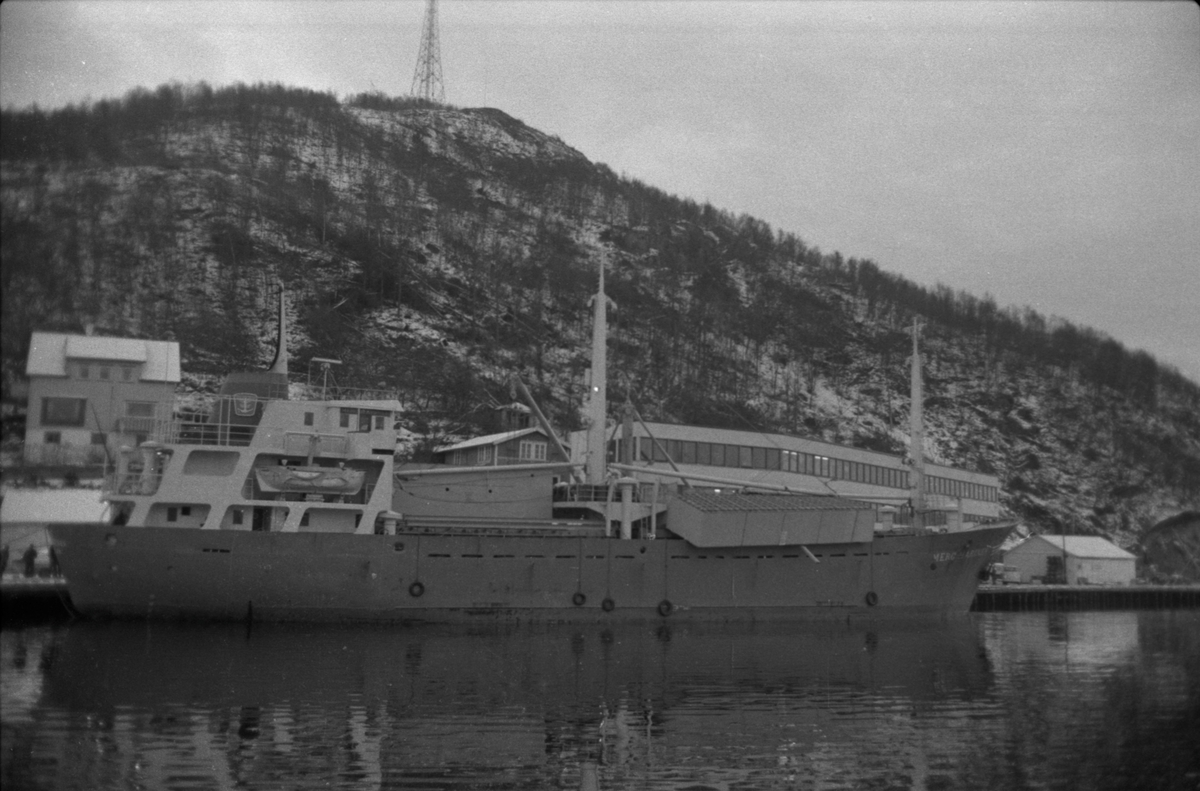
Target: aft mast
{"points": [[595, 460], [916, 447]]}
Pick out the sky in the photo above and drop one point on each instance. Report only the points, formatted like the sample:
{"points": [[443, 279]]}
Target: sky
{"points": [[1044, 153]]}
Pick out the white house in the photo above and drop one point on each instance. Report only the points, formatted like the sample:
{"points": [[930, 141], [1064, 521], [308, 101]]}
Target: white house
{"points": [[87, 392], [1074, 560]]}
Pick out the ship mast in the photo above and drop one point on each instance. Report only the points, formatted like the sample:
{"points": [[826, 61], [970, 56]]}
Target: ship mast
{"points": [[597, 406], [916, 446], [280, 364]]}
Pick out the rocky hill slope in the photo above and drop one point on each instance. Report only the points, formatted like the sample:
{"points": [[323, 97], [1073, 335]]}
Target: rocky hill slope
{"points": [[435, 250]]}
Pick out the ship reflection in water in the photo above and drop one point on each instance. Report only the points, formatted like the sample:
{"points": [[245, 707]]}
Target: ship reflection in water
{"points": [[1029, 700]]}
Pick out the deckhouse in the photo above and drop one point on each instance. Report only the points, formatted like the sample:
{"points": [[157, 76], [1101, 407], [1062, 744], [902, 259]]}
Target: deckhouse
{"points": [[715, 457]]}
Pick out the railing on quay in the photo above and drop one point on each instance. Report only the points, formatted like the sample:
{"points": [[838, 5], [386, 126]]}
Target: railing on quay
{"points": [[303, 391]]}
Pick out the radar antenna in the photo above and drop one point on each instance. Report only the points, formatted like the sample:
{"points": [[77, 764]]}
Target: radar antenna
{"points": [[427, 78]]}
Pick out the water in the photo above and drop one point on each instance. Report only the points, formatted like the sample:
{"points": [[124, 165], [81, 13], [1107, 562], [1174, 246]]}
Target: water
{"points": [[998, 701]]}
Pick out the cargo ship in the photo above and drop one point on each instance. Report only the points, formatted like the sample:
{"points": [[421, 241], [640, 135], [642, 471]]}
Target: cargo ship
{"points": [[278, 505]]}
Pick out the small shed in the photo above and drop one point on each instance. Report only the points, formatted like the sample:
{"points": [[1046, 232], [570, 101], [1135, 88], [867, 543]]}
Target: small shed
{"points": [[1072, 560]]}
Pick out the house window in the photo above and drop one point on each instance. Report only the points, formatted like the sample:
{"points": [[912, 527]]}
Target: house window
{"points": [[104, 372], [53, 437], [139, 408], [532, 451], [85, 371], [379, 422], [483, 455], [63, 411], [345, 419], [308, 418], [126, 373], [97, 438]]}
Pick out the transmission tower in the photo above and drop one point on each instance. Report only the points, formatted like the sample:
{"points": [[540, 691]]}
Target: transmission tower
{"points": [[427, 79]]}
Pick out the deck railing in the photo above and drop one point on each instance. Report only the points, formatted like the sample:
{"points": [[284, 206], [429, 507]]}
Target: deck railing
{"points": [[599, 493], [131, 483]]}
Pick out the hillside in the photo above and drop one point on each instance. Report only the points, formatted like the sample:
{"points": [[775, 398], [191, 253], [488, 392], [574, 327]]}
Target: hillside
{"points": [[435, 250]]}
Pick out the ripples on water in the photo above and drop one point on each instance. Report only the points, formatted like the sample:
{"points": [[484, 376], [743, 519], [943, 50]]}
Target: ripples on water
{"points": [[998, 701]]}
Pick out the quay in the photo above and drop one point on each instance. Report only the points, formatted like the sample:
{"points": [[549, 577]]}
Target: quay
{"points": [[1015, 598]]}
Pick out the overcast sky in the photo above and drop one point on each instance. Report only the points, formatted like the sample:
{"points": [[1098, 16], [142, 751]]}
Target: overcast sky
{"points": [[1045, 153]]}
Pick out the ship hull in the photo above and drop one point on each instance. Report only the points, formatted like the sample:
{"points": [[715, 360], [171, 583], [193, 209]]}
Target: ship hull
{"points": [[118, 571]]}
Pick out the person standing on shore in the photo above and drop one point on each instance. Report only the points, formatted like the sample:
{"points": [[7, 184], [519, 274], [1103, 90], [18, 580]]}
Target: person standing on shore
{"points": [[30, 557]]}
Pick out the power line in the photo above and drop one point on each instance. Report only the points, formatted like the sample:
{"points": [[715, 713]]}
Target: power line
{"points": [[427, 78]]}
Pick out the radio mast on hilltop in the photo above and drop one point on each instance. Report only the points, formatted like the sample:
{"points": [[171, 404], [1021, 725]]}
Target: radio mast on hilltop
{"points": [[427, 79]]}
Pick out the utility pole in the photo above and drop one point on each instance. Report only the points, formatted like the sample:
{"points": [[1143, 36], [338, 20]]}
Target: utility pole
{"points": [[427, 78]]}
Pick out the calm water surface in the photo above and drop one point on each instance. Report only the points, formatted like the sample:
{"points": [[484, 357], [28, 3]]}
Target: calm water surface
{"points": [[998, 701]]}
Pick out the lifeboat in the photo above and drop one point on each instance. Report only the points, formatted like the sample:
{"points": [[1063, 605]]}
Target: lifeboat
{"points": [[315, 480]]}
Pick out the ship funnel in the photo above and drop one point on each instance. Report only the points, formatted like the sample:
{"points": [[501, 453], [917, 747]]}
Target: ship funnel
{"points": [[243, 391]]}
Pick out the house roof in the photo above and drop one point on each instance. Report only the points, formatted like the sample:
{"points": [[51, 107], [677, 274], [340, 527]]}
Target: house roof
{"points": [[1084, 546], [490, 439], [49, 351]]}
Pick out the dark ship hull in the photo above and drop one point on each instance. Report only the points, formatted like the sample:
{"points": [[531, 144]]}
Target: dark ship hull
{"points": [[118, 571]]}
